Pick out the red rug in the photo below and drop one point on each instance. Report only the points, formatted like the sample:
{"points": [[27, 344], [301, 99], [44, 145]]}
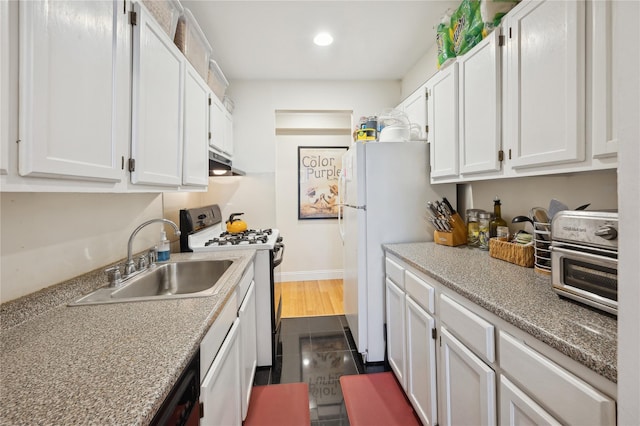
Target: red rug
{"points": [[376, 399], [279, 405]]}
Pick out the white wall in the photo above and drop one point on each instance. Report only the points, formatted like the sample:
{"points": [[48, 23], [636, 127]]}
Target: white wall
{"points": [[313, 247], [47, 238], [629, 194], [255, 153], [420, 72], [518, 195]]}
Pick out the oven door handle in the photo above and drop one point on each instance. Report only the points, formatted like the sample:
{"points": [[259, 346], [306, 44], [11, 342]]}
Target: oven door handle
{"points": [[576, 254], [278, 247]]}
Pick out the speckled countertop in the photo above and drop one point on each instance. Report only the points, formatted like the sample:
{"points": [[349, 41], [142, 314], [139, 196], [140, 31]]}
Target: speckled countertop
{"points": [[521, 297], [100, 364]]}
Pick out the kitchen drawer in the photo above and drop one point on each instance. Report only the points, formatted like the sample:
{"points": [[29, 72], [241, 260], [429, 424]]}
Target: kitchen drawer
{"points": [[215, 336], [477, 333], [244, 284], [570, 399], [420, 291], [395, 272]]}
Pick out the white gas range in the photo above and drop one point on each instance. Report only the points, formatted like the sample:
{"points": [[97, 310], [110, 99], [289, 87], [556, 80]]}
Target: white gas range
{"points": [[202, 230]]}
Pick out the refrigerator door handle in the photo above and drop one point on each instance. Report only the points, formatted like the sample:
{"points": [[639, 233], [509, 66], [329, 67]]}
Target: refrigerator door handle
{"points": [[364, 207], [341, 189]]}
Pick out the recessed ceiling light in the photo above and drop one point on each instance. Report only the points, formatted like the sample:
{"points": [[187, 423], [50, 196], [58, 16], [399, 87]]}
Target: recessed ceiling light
{"points": [[323, 39]]}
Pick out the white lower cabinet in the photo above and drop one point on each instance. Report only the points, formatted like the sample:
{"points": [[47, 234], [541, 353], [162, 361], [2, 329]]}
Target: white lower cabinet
{"points": [[248, 345], [395, 331], [458, 384], [220, 389], [468, 390], [421, 362], [516, 408], [228, 358], [572, 400], [411, 344]]}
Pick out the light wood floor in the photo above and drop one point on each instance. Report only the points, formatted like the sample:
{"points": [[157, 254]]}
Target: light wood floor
{"points": [[311, 298]]}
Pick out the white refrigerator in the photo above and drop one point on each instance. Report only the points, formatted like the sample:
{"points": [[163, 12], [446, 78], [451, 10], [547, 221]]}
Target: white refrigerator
{"points": [[384, 189]]}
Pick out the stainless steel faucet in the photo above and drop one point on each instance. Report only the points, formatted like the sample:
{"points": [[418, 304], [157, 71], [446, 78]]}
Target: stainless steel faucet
{"points": [[130, 266]]}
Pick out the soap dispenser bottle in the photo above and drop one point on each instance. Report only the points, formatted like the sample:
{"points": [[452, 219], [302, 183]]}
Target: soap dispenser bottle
{"points": [[164, 248]]}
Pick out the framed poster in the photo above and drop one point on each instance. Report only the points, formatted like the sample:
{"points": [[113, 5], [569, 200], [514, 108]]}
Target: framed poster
{"points": [[318, 172]]}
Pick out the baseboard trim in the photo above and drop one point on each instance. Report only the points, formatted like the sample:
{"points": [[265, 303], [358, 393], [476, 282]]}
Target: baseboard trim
{"points": [[335, 274]]}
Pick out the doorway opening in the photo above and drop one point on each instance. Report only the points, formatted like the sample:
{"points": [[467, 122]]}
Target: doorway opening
{"points": [[310, 277]]}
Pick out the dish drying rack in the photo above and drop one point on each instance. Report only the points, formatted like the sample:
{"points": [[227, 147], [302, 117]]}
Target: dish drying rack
{"points": [[541, 243]]}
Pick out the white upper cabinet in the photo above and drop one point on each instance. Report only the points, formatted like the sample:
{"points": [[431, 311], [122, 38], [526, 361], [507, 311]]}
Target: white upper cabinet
{"points": [[195, 168], [73, 73], [544, 99], [158, 81], [415, 106], [443, 123], [4, 88], [480, 107], [612, 49], [545, 120], [221, 137], [228, 133]]}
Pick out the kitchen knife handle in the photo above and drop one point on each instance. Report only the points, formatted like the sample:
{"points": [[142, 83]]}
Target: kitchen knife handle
{"points": [[452, 211]]}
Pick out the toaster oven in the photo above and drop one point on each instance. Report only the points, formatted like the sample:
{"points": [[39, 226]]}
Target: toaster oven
{"points": [[584, 257]]}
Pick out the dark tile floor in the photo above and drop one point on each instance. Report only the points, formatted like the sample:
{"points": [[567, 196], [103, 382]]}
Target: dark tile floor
{"points": [[317, 350]]}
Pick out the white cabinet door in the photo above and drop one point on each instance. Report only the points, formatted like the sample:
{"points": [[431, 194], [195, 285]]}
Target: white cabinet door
{"points": [[248, 345], [396, 331], [217, 122], [195, 166], [572, 400], [443, 123], [158, 81], [468, 390], [421, 363], [228, 133], [71, 62], [546, 83], [220, 389], [611, 52], [480, 109], [517, 409], [4, 87], [415, 106]]}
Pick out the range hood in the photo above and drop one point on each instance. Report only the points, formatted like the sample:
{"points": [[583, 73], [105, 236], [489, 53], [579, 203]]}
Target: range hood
{"points": [[221, 166]]}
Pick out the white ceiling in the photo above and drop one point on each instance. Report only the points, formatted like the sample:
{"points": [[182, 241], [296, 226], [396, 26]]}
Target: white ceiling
{"points": [[273, 39]]}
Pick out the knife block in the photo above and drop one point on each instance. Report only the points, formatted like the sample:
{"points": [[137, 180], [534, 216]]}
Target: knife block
{"points": [[457, 236]]}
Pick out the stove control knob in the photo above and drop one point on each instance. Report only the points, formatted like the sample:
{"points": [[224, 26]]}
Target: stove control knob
{"points": [[607, 232]]}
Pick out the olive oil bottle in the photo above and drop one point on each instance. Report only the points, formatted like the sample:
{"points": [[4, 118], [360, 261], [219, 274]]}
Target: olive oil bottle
{"points": [[498, 226]]}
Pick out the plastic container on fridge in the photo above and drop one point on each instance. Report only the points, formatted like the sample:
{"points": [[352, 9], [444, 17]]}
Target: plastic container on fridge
{"points": [[166, 13], [193, 43], [216, 80]]}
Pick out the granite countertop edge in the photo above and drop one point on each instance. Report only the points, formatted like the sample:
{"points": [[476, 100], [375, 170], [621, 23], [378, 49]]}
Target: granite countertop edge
{"points": [[116, 362], [463, 270]]}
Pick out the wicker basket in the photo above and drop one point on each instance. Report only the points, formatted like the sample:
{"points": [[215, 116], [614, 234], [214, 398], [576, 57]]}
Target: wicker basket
{"points": [[514, 253]]}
